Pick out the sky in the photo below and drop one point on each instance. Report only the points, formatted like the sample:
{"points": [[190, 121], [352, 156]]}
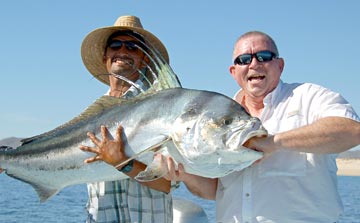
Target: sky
{"points": [[44, 83]]}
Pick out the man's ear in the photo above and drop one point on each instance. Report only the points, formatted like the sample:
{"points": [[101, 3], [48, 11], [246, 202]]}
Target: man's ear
{"points": [[104, 59], [232, 70], [281, 64]]}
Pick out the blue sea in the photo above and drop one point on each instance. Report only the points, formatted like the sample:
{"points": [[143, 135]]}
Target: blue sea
{"points": [[19, 202]]}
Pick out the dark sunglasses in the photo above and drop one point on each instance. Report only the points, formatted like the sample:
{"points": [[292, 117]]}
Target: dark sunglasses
{"points": [[262, 56], [117, 44]]}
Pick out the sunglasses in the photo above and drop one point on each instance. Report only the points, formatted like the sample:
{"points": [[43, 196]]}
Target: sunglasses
{"points": [[262, 56], [129, 45]]}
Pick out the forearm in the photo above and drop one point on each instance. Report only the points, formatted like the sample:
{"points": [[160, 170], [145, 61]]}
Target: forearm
{"points": [[328, 135], [201, 186], [160, 184], [197, 185]]}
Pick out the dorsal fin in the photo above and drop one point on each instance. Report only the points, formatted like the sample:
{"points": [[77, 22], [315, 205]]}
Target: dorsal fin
{"points": [[167, 78]]}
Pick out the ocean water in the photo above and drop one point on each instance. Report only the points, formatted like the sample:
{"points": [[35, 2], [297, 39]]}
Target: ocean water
{"points": [[19, 202]]}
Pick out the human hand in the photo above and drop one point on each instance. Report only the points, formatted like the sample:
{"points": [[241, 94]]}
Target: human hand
{"points": [[262, 144], [201, 186], [1, 170], [176, 171], [110, 151]]}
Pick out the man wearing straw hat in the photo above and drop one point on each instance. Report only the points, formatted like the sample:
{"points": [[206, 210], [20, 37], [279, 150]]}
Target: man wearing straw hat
{"points": [[112, 54]]}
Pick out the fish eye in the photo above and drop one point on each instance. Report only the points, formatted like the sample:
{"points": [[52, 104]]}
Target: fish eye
{"points": [[227, 121]]}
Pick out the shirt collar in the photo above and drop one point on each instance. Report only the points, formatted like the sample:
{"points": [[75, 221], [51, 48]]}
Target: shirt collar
{"points": [[132, 91], [272, 96]]}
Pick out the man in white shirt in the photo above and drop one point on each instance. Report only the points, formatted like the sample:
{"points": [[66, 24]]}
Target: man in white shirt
{"points": [[308, 125]]}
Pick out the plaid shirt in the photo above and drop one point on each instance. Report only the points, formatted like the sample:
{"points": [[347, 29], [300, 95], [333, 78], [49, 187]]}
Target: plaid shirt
{"points": [[127, 201]]}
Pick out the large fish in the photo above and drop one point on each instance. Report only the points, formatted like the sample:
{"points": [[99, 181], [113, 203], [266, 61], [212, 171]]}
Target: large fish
{"points": [[203, 130]]}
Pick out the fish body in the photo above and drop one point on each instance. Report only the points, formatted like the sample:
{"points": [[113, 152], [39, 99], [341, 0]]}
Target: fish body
{"points": [[203, 130]]}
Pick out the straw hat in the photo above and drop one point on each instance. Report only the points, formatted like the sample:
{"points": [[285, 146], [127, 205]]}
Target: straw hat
{"points": [[93, 45]]}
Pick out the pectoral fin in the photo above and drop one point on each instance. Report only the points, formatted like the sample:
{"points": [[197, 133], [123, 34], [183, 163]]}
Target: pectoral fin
{"points": [[154, 171], [154, 148]]}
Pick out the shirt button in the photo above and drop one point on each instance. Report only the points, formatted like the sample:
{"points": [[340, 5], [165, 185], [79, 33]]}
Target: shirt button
{"points": [[247, 195]]}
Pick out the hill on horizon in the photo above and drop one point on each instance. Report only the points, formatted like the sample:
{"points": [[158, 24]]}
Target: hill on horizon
{"points": [[11, 141]]}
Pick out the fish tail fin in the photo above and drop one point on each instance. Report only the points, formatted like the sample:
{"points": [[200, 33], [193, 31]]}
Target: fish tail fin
{"points": [[44, 193], [157, 169]]}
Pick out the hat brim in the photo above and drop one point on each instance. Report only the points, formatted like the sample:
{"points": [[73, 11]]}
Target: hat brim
{"points": [[93, 48]]}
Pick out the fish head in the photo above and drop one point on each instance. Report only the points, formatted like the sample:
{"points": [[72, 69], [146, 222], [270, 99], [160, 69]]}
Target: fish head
{"points": [[214, 131]]}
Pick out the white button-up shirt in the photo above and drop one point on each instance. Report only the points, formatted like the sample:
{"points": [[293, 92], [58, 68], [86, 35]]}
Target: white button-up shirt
{"points": [[288, 186]]}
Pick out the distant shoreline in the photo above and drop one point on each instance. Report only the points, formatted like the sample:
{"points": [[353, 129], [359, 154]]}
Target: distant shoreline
{"points": [[348, 167]]}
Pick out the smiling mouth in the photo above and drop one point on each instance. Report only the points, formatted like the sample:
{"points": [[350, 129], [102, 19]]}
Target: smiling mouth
{"points": [[256, 78], [122, 60]]}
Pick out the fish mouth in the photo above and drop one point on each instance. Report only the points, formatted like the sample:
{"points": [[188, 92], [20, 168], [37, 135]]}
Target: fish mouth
{"points": [[259, 133], [240, 135]]}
